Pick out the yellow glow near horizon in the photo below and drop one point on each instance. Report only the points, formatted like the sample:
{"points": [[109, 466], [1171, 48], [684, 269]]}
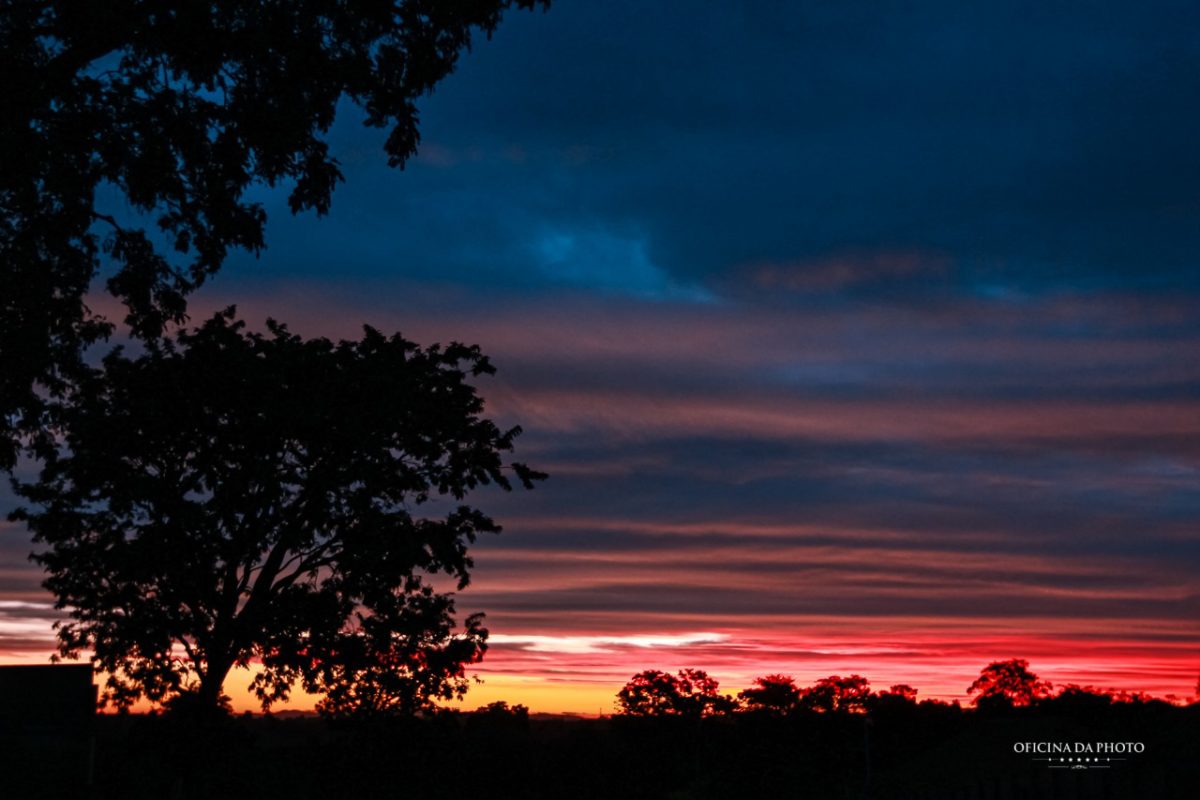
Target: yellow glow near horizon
{"points": [[538, 694]]}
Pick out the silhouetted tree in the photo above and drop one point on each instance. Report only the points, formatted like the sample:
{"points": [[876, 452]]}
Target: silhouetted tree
{"points": [[229, 496], [502, 709], [177, 110], [899, 696], [1008, 683], [1135, 696], [398, 659], [688, 693], [1077, 700], [902, 690], [773, 694], [836, 693]]}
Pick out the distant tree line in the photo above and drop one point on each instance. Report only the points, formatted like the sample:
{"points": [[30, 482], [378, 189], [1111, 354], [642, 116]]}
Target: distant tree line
{"points": [[693, 693]]}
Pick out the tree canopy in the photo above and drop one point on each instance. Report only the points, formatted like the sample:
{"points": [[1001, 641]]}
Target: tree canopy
{"points": [[688, 693], [1008, 682], [836, 694], [229, 496], [177, 110], [773, 694]]}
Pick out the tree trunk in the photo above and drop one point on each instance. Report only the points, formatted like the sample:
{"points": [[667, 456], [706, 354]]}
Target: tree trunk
{"points": [[209, 696]]}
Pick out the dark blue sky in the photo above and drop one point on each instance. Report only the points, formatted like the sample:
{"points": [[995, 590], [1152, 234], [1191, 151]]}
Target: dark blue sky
{"points": [[673, 150]]}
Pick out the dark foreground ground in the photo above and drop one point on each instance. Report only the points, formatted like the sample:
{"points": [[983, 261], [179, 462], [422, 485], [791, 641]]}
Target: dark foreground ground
{"points": [[929, 752]]}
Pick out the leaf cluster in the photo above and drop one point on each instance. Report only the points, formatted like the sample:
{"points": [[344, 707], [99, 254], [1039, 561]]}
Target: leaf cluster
{"points": [[136, 131]]}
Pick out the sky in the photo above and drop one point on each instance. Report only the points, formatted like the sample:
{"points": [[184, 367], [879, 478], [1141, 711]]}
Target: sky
{"points": [[855, 338]]}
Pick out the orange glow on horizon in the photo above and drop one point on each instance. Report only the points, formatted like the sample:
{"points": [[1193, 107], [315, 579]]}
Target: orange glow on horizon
{"points": [[581, 674]]}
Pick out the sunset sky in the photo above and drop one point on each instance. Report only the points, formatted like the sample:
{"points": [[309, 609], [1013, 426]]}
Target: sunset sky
{"points": [[855, 337]]}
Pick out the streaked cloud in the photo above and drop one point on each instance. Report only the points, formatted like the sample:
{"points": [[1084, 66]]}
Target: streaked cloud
{"points": [[601, 644]]}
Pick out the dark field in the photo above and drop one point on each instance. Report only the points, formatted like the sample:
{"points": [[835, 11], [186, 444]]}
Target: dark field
{"points": [[929, 751]]}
